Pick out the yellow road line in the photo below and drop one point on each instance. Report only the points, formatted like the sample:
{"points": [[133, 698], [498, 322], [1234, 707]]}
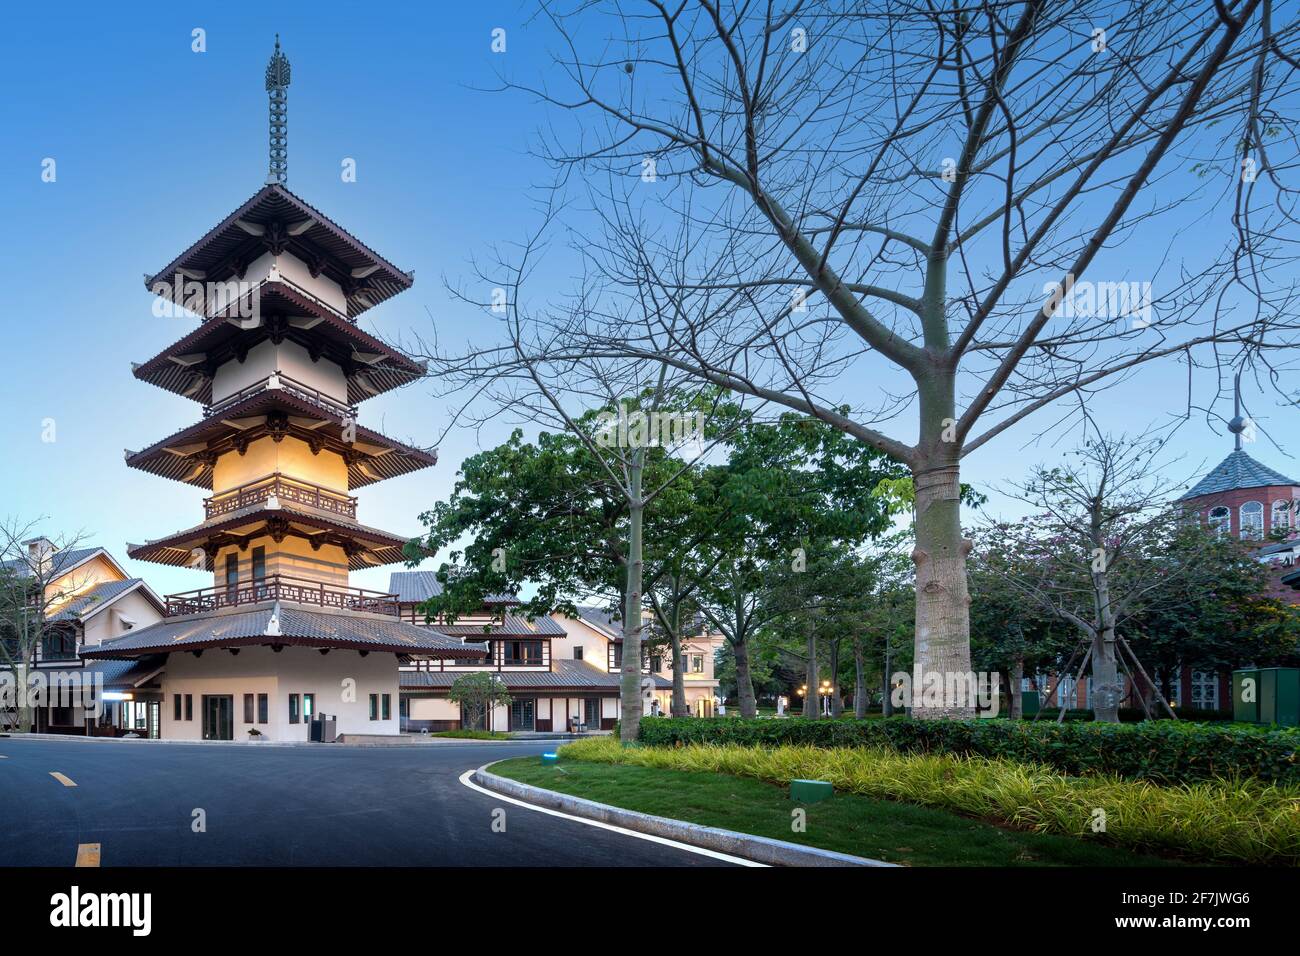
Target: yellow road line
{"points": [[87, 854], [62, 779]]}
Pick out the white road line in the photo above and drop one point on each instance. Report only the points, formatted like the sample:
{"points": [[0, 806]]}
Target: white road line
{"points": [[66, 781], [698, 850]]}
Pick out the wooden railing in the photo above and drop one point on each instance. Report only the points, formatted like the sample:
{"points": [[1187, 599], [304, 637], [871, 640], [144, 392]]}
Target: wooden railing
{"points": [[285, 489], [289, 385], [212, 310], [282, 587]]}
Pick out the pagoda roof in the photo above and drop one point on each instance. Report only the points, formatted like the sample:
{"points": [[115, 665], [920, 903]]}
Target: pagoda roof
{"points": [[366, 547], [186, 455], [1237, 471], [186, 366], [284, 624], [276, 220]]}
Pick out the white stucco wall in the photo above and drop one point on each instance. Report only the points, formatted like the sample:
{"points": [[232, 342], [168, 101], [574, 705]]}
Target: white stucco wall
{"points": [[295, 670], [289, 358], [111, 621], [296, 271]]}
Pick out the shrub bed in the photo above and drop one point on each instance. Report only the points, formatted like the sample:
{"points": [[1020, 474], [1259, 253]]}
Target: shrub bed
{"points": [[1165, 751], [1221, 821]]}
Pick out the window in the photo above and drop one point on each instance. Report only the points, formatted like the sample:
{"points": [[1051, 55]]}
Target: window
{"points": [[293, 708], [523, 652], [176, 706], [259, 565], [308, 706], [1205, 690], [1219, 519], [697, 664], [232, 573], [263, 708], [656, 663], [1252, 520], [388, 706], [374, 706], [248, 708], [615, 656], [189, 706], [58, 645], [577, 653], [1281, 516]]}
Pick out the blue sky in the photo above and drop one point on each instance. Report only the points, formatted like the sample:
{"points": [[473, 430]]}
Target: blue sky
{"points": [[155, 143]]}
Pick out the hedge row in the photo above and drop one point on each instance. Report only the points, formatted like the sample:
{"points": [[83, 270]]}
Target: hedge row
{"points": [[1163, 752]]}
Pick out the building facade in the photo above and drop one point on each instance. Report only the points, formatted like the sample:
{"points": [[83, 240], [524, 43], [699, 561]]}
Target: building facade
{"points": [[561, 673]]}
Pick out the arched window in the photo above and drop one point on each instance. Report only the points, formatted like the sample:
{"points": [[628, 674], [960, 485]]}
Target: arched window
{"points": [[1252, 520], [1219, 519], [1281, 516]]}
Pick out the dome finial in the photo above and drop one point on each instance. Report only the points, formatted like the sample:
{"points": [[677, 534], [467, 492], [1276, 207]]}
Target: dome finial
{"points": [[1238, 424]]}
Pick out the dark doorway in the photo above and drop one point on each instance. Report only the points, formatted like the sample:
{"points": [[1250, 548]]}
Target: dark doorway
{"points": [[218, 717], [591, 713], [522, 713]]}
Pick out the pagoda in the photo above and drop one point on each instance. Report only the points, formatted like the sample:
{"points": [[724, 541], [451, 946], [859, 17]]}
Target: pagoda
{"points": [[279, 367]]}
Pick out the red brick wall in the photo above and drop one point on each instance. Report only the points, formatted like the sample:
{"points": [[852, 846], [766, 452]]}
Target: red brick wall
{"points": [[1233, 500]]}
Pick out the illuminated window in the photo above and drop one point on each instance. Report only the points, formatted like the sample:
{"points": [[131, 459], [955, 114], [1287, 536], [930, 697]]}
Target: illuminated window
{"points": [[1252, 520], [1281, 515]]}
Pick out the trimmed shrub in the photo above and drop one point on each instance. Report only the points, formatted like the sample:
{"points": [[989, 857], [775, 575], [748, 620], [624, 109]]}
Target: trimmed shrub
{"points": [[1222, 821], [1164, 751]]}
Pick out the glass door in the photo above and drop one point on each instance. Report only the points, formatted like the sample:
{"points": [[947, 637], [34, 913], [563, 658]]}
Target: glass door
{"points": [[153, 722], [218, 717], [591, 713], [522, 713]]}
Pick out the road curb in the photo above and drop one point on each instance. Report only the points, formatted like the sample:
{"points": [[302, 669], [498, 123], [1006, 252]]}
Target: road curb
{"points": [[262, 744], [759, 849]]}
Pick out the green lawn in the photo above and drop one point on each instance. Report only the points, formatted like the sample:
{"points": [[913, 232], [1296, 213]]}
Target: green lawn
{"points": [[879, 829]]}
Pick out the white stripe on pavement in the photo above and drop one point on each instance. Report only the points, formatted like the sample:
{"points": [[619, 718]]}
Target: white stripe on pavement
{"points": [[701, 851]]}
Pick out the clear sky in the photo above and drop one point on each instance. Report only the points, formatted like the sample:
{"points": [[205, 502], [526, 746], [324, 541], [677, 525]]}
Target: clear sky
{"points": [[155, 143]]}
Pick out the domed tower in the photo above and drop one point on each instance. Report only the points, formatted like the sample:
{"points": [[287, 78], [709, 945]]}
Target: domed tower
{"points": [[1249, 500], [279, 366]]}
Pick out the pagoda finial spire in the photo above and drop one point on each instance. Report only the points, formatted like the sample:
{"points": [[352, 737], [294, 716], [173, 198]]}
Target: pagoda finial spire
{"points": [[1238, 424], [277, 82]]}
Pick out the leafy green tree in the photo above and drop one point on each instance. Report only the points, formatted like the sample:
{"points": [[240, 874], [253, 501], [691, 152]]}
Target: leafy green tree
{"points": [[477, 693]]}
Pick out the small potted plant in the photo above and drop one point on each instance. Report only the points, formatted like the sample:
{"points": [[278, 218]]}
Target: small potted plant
{"points": [[255, 736]]}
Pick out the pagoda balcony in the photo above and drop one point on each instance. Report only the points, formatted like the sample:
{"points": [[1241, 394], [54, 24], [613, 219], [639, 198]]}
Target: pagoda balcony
{"points": [[213, 309], [282, 489], [282, 587], [291, 386]]}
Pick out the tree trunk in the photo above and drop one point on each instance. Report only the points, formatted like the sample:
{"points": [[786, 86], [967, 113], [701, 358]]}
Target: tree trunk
{"points": [[811, 701], [887, 701], [859, 683], [632, 705], [1014, 705], [744, 683], [837, 705], [942, 640], [1106, 687], [678, 708]]}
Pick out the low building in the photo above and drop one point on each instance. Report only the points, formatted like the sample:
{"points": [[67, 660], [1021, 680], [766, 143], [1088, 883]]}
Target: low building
{"points": [[561, 673]]}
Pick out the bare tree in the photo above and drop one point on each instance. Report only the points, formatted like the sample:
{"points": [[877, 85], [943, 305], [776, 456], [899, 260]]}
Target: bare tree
{"points": [[1090, 551], [911, 194], [35, 583]]}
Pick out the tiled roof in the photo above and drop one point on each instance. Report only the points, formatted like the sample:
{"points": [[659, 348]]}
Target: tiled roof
{"points": [[415, 587], [412, 587], [1237, 471], [566, 674], [62, 561], [602, 620], [123, 673], [87, 603], [285, 624]]}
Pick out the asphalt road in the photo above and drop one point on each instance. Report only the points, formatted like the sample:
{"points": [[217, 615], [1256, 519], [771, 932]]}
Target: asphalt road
{"points": [[285, 806]]}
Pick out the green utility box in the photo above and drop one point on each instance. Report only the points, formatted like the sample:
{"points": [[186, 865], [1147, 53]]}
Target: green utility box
{"points": [[1028, 703], [810, 791], [1267, 695]]}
